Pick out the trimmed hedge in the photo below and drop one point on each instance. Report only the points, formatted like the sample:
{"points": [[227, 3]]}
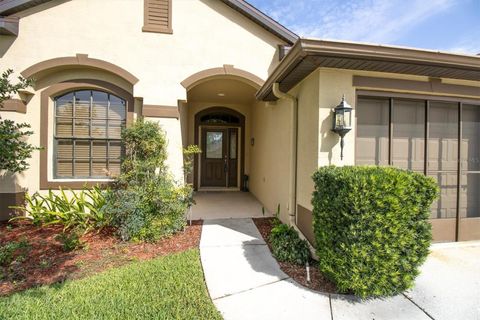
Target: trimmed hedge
{"points": [[371, 227]]}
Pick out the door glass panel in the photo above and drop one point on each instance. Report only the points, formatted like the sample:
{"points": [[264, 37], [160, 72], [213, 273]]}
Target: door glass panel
{"points": [[214, 145], [409, 134], [233, 145], [442, 156], [372, 131]]}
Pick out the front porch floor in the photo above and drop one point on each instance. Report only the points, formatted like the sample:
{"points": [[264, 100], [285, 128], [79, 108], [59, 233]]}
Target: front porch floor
{"points": [[224, 205]]}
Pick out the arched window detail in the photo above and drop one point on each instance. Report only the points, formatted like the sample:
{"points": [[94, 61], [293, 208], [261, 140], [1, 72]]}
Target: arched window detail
{"points": [[87, 134], [219, 118]]}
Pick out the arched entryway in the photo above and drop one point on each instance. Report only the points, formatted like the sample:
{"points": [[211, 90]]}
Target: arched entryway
{"points": [[220, 133]]}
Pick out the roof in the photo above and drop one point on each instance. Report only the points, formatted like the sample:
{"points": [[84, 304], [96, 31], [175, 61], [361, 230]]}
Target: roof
{"points": [[263, 20], [309, 54], [9, 7]]}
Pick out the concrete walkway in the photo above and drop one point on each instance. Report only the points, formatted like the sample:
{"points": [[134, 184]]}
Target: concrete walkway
{"points": [[245, 282]]}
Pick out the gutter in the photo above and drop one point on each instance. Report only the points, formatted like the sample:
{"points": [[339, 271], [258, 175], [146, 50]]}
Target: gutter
{"points": [[292, 190]]}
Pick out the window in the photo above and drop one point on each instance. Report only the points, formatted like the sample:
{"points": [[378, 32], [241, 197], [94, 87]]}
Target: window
{"points": [[87, 131]]}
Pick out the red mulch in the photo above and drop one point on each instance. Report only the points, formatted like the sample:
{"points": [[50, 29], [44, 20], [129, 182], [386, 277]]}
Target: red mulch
{"points": [[45, 261], [298, 273]]}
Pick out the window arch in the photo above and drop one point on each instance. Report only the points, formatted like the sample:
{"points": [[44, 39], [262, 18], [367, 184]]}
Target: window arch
{"points": [[87, 134]]}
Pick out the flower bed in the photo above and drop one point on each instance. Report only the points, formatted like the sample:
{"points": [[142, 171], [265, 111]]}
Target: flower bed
{"points": [[297, 272], [42, 259]]}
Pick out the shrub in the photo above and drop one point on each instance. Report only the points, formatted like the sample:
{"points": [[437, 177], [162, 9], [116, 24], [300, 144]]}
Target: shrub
{"points": [[287, 245], [12, 251], [14, 148], [74, 209], [146, 203], [371, 227], [70, 240]]}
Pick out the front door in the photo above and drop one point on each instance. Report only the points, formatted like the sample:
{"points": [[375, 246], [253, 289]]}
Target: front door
{"points": [[219, 157]]}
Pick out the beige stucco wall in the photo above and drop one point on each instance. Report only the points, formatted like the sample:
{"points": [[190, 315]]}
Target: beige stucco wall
{"points": [[318, 146], [206, 34], [270, 155]]}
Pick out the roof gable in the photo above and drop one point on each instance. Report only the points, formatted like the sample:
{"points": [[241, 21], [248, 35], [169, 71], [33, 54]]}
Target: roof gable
{"points": [[9, 7]]}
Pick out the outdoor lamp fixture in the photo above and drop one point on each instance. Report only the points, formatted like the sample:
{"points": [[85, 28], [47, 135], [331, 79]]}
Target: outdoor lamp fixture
{"points": [[342, 121]]}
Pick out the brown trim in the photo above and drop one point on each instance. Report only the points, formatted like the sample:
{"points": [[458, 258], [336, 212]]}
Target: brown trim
{"points": [[305, 223], [434, 86], [197, 124], [157, 28], [308, 55], [226, 70], [156, 111], [80, 60], [46, 97], [388, 94], [9, 26], [10, 199], [14, 105]]}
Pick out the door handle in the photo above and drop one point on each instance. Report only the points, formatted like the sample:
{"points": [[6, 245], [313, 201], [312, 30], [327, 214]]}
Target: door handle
{"points": [[225, 164]]}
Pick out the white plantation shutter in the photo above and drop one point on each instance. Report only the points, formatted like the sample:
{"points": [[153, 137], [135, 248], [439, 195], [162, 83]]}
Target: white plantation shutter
{"points": [[158, 16], [88, 130]]}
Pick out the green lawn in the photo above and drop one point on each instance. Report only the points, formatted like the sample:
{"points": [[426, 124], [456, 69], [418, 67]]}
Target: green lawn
{"points": [[170, 287]]}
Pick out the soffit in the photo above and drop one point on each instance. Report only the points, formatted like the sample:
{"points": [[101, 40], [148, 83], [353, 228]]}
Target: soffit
{"points": [[307, 55]]}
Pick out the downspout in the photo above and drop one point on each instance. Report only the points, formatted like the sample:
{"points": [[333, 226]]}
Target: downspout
{"points": [[292, 190]]}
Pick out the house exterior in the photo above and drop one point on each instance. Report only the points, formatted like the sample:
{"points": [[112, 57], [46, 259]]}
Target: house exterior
{"points": [[254, 97]]}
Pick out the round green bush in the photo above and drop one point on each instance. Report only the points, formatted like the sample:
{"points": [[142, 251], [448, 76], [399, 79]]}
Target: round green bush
{"points": [[287, 245], [371, 227]]}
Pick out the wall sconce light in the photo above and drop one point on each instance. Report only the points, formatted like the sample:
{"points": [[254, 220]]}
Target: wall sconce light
{"points": [[342, 121]]}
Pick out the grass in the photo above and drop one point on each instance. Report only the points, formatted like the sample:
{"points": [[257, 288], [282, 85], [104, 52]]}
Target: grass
{"points": [[170, 287]]}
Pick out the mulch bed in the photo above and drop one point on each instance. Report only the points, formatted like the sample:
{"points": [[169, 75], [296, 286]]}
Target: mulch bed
{"points": [[298, 273], [45, 262]]}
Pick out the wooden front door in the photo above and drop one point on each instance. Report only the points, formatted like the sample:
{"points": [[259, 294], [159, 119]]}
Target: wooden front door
{"points": [[219, 157]]}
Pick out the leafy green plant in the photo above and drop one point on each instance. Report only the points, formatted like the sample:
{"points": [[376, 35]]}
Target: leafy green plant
{"points": [[72, 209], [371, 227], [12, 251], [70, 240], [145, 153], [287, 245], [146, 203], [14, 148]]}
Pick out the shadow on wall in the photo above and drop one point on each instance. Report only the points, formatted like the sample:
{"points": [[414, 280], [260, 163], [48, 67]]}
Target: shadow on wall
{"points": [[12, 194], [5, 44], [328, 138]]}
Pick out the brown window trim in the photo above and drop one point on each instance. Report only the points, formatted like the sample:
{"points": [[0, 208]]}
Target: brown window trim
{"points": [[58, 89], [14, 105], [415, 96], [156, 111], [154, 28], [435, 86]]}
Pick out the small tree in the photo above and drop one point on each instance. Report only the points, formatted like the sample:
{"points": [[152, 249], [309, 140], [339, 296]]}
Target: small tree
{"points": [[14, 150]]}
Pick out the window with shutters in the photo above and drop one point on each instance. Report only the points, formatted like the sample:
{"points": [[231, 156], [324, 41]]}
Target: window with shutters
{"points": [[87, 135], [158, 16]]}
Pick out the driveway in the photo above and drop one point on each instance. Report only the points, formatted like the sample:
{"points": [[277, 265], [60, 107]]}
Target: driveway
{"points": [[245, 282]]}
